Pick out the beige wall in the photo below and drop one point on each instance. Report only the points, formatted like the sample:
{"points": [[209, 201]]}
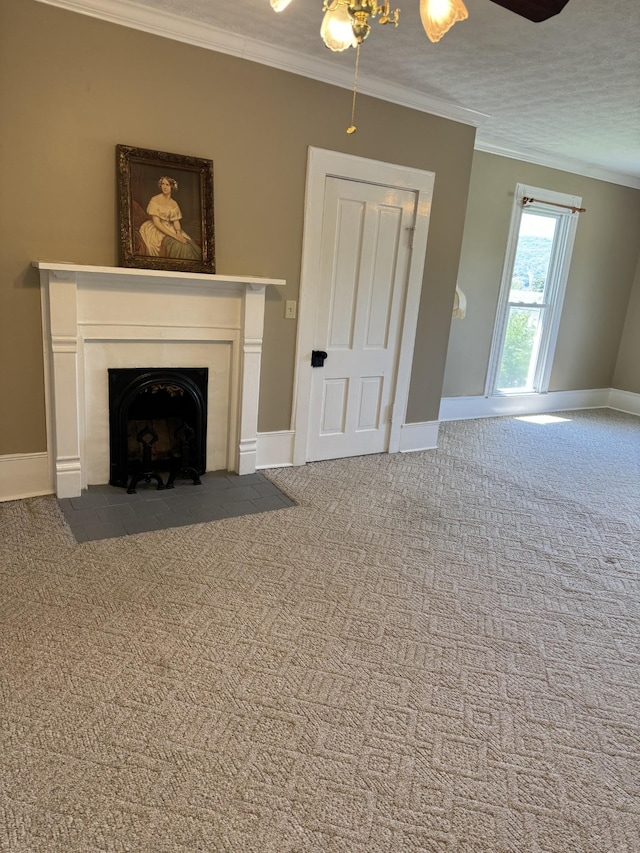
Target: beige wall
{"points": [[602, 272], [627, 372], [72, 87]]}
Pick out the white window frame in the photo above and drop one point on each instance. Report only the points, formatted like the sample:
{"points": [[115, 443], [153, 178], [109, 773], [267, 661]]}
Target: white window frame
{"points": [[554, 293]]}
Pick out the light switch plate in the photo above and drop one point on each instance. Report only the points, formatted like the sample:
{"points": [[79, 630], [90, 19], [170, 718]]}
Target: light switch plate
{"points": [[290, 309]]}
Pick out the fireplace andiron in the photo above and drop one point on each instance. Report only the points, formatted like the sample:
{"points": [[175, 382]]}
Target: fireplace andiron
{"points": [[180, 467], [147, 437]]}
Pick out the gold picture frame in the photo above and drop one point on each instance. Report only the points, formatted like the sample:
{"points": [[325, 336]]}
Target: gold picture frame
{"points": [[165, 206]]}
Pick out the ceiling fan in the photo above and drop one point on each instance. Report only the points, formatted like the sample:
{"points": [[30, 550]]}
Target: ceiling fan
{"points": [[533, 10]]}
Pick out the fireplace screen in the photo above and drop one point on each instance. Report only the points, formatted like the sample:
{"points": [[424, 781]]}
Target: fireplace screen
{"points": [[157, 425]]}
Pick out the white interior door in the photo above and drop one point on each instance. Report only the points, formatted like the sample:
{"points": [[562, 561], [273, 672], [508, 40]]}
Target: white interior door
{"points": [[365, 254]]}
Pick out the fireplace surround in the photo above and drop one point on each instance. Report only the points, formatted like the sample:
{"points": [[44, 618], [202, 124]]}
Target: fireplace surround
{"points": [[97, 318]]}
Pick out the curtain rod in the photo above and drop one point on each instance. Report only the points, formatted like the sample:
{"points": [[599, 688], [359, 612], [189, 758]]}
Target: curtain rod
{"points": [[527, 200]]}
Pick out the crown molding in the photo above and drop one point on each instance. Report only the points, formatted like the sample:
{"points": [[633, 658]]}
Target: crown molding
{"points": [[554, 161], [158, 22], [168, 25]]}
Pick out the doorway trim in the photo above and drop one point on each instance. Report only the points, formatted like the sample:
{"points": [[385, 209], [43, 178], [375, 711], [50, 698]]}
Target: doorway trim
{"points": [[322, 164]]}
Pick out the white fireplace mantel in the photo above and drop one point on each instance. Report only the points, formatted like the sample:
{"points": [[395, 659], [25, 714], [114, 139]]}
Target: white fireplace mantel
{"points": [[99, 317]]}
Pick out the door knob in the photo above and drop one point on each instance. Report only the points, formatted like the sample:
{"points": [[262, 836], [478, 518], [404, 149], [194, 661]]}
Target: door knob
{"points": [[317, 358]]}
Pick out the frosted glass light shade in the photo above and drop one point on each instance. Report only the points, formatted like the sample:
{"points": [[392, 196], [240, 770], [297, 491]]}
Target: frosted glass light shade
{"points": [[337, 29], [438, 16], [279, 5]]}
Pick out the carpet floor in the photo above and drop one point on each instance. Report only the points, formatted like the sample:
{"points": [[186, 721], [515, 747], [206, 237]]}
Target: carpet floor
{"points": [[434, 652]]}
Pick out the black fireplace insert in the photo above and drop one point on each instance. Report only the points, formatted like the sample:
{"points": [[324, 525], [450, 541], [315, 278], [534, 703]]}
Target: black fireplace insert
{"points": [[157, 425]]}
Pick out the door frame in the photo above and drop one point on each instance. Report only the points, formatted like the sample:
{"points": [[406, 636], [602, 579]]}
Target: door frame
{"points": [[322, 164]]}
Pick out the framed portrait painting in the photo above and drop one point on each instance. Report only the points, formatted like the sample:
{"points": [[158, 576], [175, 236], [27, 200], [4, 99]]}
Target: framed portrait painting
{"points": [[165, 205]]}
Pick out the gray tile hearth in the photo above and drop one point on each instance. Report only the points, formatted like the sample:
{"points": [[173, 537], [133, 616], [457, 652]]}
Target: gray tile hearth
{"points": [[104, 512]]}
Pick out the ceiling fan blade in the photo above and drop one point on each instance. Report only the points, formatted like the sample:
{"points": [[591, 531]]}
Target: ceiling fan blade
{"points": [[533, 10]]}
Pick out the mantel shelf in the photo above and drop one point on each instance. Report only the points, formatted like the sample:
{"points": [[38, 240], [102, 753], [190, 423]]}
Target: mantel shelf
{"points": [[96, 273]]}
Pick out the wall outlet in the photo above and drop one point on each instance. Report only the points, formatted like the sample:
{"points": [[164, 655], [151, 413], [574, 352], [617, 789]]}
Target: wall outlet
{"points": [[290, 309]]}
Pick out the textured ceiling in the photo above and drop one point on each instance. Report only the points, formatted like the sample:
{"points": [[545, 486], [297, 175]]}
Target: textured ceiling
{"points": [[568, 88]]}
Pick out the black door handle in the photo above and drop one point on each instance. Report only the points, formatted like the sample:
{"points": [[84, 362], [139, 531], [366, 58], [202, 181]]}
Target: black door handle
{"points": [[317, 358]]}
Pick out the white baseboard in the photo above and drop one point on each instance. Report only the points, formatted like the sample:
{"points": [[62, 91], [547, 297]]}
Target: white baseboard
{"points": [[275, 449], [28, 475], [624, 401], [25, 475], [461, 408], [420, 436]]}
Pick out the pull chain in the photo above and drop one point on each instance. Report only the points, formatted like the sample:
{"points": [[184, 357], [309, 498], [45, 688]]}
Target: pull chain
{"points": [[352, 127]]}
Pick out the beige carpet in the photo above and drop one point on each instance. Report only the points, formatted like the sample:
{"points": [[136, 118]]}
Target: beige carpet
{"points": [[433, 652]]}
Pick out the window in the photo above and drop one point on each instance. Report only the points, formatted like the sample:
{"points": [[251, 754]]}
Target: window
{"points": [[533, 283]]}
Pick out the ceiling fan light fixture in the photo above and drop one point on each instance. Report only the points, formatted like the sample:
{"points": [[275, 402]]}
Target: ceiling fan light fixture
{"points": [[438, 16], [337, 27], [279, 5], [346, 22]]}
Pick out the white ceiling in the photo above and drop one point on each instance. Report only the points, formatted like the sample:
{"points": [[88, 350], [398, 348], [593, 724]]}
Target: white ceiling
{"points": [[564, 93]]}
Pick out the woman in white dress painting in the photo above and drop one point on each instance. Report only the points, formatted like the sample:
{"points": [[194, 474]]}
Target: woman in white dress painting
{"points": [[162, 232]]}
